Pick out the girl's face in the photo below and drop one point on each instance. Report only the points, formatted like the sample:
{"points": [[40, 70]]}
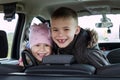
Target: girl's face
{"points": [[40, 50], [63, 31]]}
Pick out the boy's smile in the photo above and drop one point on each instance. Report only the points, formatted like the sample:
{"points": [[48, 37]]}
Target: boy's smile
{"points": [[63, 31], [62, 40]]}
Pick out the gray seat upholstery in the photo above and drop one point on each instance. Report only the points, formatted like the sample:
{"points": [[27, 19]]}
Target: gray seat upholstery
{"points": [[61, 65], [3, 44], [112, 70], [114, 56]]}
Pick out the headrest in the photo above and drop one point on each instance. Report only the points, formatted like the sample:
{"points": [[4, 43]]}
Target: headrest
{"points": [[58, 59], [3, 44]]}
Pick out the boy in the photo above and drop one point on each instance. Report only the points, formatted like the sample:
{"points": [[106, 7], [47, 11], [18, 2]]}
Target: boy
{"points": [[69, 38]]}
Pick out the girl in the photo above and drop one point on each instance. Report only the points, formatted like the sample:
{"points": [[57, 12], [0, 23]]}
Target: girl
{"points": [[39, 41]]}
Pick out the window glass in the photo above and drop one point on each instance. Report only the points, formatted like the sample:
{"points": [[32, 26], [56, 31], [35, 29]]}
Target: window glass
{"points": [[9, 28], [104, 36], [35, 20]]}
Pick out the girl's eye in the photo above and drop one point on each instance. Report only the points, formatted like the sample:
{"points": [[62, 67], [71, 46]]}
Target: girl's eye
{"points": [[46, 45], [37, 45]]}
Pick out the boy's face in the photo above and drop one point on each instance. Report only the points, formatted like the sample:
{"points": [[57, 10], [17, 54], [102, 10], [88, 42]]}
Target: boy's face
{"points": [[40, 50], [63, 31]]}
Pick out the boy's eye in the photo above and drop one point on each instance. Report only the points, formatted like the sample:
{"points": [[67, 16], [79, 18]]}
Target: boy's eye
{"points": [[54, 30], [66, 29], [46, 44]]}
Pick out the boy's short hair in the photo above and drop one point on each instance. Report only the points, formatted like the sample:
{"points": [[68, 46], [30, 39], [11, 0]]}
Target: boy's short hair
{"points": [[64, 12]]}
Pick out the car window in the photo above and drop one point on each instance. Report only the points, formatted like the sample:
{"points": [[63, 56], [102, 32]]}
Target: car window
{"points": [[36, 21], [105, 34], [9, 28]]}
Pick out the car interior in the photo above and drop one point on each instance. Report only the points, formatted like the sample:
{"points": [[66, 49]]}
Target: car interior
{"points": [[18, 15]]}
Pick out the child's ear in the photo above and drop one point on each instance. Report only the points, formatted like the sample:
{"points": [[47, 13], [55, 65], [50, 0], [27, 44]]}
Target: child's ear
{"points": [[77, 30]]}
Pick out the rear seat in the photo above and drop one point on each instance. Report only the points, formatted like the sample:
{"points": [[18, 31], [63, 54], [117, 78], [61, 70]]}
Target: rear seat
{"points": [[114, 56], [10, 68], [61, 65], [112, 70]]}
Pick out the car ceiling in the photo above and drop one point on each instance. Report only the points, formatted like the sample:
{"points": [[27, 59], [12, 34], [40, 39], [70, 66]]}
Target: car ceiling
{"points": [[82, 7]]}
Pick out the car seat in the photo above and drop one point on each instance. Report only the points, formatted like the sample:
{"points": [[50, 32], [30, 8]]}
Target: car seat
{"points": [[112, 70], [4, 67], [3, 44], [114, 56], [59, 65]]}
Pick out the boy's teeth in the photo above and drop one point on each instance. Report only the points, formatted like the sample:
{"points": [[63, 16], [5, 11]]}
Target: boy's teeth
{"points": [[61, 40]]}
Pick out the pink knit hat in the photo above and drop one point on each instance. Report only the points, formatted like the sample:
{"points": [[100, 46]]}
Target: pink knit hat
{"points": [[39, 34]]}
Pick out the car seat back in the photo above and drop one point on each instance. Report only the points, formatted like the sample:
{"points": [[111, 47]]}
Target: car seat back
{"points": [[112, 70], [3, 44], [10, 68], [114, 56], [61, 65]]}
